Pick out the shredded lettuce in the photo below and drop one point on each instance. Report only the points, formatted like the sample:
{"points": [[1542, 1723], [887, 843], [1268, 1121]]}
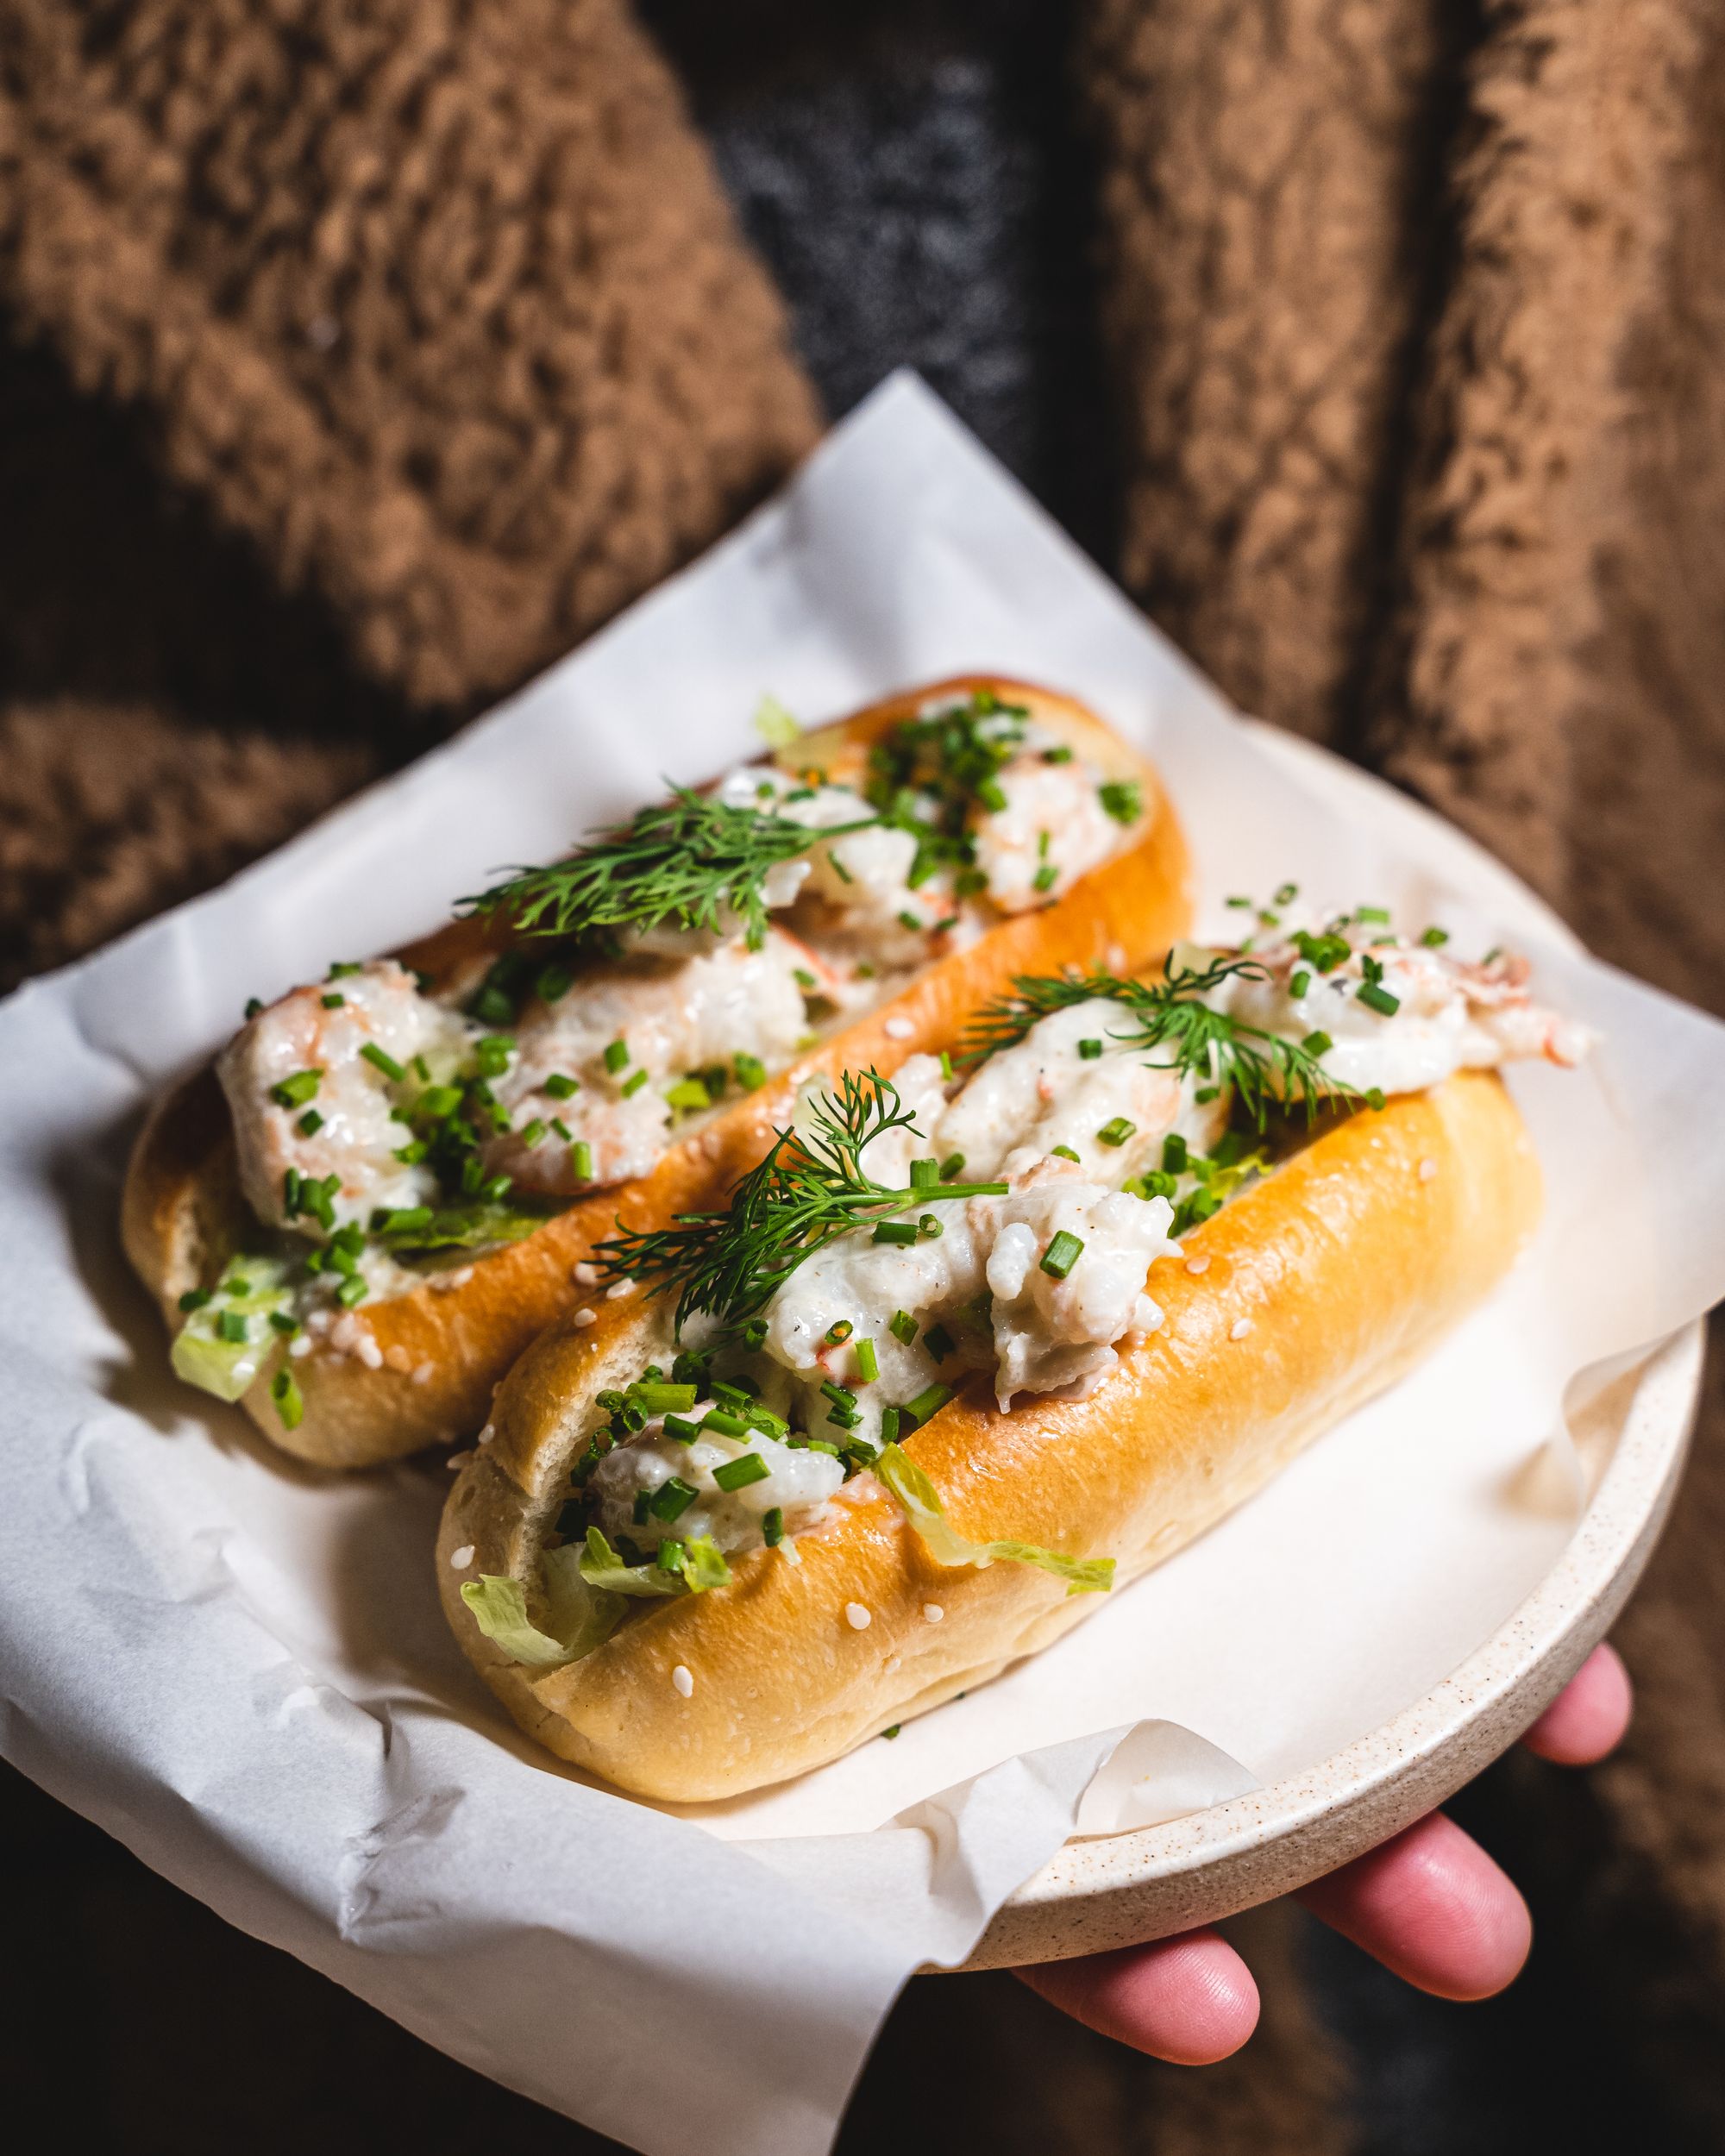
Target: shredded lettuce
{"points": [[249, 1290], [601, 1567], [463, 1228], [921, 1501], [581, 1617], [702, 1566], [777, 726]]}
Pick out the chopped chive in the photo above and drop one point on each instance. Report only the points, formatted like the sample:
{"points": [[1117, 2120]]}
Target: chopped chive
{"points": [[671, 1498], [1373, 913], [290, 1404], [412, 1153], [1206, 1094], [1117, 1131], [681, 1428], [633, 1084], [254, 1004], [927, 1403], [493, 1053], [438, 1103], [671, 1555], [422, 1071], [1238, 901], [688, 1094], [840, 1329], [334, 1001], [661, 1399], [295, 1092], [773, 1526], [1089, 1051], [1042, 845], [1121, 798], [352, 1291], [617, 1054], [1046, 877], [751, 1072], [930, 1228], [343, 968], [925, 1174], [1061, 754], [379, 1059], [1174, 1153], [1317, 1043], [560, 1085], [532, 1132], [1376, 998], [194, 1298], [1286, 894], [950, 1166], [754, 1333], [946, 1066], [887, 1734], [889, 1425], [309, 1124], [899, 1231], [867, 1363], [282, 1323], [496, 1190], [553, 983], [1061, 1254], [231, 1327], [938, 1342], [913, 921], [1063, 1152], [902, 1327], [1434, 938], [739, 1474], [805, 979], [992, 795], [406, 1219], [726, 1425]]}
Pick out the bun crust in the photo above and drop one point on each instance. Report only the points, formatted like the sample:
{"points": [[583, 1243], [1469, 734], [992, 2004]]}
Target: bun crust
{"points": [[1345, 1267], [443, 1346]]}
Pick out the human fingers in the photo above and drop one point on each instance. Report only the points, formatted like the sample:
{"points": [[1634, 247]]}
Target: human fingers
{"points": [[1432, 1908], [1588, 1716], [1191, 2000]]}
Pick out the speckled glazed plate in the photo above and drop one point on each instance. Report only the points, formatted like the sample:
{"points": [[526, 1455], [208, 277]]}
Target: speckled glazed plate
{"points": [[1631, 1439]]}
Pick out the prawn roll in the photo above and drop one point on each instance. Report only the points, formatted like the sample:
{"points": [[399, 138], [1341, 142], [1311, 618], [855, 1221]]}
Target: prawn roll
{"points": [[980, 1341], [391, 1178]]}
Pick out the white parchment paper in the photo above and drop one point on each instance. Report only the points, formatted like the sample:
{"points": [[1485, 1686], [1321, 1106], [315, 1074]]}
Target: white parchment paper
{"points": [[239, 1667]]}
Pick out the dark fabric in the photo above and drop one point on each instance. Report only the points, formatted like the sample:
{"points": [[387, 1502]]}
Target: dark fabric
{"points": [[358, 358]]}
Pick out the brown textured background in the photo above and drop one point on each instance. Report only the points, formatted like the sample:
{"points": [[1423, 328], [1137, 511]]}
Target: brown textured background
{"points": [[358, 358]]}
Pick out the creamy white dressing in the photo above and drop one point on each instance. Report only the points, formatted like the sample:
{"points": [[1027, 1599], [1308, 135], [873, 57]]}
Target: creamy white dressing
{"points": [[351, 1108], [1452, 1014], [800, 1482]]}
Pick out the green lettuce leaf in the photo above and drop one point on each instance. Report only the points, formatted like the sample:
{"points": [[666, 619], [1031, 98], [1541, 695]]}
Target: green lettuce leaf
{"points": [[579, 1617], [601, 1567], [464, 1228], [249, 1290], [921, 1501]]}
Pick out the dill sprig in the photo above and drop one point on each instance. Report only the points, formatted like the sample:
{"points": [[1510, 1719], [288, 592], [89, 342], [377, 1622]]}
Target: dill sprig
{"points": [[1262, 1070], [810, 1187], [692, 860]]}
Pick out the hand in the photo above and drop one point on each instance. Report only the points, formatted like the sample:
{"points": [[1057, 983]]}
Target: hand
{"points": [[1430, 1905]]}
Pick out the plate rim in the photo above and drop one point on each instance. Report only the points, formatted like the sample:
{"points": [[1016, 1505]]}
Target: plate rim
{"points": [[1116, 1890]]}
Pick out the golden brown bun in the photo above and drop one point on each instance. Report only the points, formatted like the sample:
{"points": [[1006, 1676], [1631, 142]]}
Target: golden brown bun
{"points": [[1346, 1265], [182, 1210]]}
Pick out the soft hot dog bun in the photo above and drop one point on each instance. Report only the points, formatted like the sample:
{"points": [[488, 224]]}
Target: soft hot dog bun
{"points": [[419, 1369], [1346, 1265]]}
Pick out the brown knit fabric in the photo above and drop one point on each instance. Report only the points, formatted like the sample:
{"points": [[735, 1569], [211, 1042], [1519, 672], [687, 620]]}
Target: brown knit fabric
{"points": [[1264, 217], [435, 300], [1547, 664]]}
